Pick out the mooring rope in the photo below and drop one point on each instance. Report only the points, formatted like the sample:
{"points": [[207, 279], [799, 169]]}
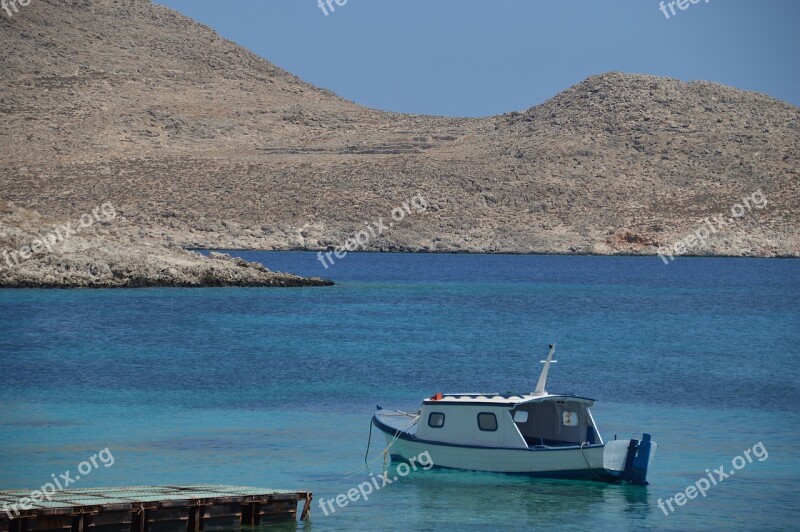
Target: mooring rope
{"points": [[384, 452], [400, 413], [588, 465], [369, 440]]}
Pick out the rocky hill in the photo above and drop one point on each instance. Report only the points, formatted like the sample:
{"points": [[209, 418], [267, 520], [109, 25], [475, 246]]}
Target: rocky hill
{"points": [[200, 143]]}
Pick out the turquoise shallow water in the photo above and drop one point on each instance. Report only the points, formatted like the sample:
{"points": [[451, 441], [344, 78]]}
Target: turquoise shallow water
{"points": [[275, 387]]}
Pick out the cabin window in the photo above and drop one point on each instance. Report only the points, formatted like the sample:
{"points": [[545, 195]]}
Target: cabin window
{"points": [[487, 421], [570, 419], [436, 420]]}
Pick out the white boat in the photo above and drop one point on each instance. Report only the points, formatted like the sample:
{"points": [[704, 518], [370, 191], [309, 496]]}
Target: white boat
{"points": [[537, 434]]}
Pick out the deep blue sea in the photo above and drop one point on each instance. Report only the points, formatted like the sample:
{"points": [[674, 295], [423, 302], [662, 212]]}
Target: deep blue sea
{"points": [[275, 387]]}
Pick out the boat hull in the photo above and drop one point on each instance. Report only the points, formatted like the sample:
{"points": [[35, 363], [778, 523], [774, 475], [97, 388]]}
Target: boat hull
{"points": [[579, 463]]}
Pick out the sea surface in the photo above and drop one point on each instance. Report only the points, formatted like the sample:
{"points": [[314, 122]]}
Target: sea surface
{"points": [[275, 387]]}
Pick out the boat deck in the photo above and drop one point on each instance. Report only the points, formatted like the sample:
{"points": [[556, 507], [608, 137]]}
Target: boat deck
{"points": [[149, 508]]}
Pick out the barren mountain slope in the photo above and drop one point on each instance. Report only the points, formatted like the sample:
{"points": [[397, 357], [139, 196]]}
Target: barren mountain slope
{"points": [[199, 142]]}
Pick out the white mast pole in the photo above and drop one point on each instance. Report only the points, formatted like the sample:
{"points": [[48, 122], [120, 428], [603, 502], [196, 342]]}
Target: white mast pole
{"points": [[545, 369]]}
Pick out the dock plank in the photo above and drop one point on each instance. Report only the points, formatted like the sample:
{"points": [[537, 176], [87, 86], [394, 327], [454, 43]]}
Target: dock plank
{"points": [[158, 505]]}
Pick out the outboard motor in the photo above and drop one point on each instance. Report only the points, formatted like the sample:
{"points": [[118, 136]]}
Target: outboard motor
{"points": [[637, 460]]}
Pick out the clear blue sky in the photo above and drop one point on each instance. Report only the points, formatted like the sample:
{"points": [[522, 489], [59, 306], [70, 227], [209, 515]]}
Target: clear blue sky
{"points": [[478, 58]]}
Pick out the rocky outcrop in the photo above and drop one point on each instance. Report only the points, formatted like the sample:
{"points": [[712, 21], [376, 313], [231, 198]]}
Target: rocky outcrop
{"points": [[42, 253]]}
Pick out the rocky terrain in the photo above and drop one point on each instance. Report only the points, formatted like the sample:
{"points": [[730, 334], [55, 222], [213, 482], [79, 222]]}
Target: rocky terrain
{"points": [[108, 254], [199, 143]]}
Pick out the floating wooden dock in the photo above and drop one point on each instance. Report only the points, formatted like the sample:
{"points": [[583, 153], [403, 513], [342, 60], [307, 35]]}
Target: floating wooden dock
{"points": [[150, 509]]}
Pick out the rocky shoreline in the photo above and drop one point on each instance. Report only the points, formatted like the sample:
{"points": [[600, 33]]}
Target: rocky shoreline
{"points": [[109, 254], [117, 252]]}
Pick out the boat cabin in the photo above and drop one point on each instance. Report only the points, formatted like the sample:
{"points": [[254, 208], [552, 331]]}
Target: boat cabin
{"points": [[510, 421]]}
